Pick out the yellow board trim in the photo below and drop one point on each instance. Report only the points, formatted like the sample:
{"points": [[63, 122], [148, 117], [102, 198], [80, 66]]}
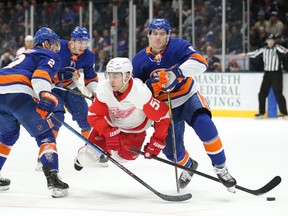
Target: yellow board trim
{"points": [[235, 113]]}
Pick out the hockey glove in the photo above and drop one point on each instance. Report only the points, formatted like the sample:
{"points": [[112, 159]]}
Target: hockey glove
{"points": [[155, 83], [47, 103], [175, 76], [113, 139], [68, 73], [153, 148], [178, 73]]}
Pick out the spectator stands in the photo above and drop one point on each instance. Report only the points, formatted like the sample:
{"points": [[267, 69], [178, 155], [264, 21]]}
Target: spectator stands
{"points": [[62, 16]]}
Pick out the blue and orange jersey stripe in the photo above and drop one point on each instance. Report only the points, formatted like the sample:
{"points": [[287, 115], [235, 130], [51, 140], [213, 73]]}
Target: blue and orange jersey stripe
{"points": [[15, 79], [41, 74], [214, 146], [4, 150], [87, 81], [199, 58], [183, 90], [47, 148]]}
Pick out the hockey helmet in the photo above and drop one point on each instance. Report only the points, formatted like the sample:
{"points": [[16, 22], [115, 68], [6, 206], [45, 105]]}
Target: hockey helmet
{"points": [[119, 65], [44, 34], [159, 23], [80, 33]]}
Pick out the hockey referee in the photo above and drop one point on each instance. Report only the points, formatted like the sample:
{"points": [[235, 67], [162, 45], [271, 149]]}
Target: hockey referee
{"points": [[271, 54]]}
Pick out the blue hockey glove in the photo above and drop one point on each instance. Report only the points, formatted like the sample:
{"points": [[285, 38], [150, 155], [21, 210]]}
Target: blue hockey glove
{"points": [[175, 76], [47, 103], [68, 73], [178, 73]]}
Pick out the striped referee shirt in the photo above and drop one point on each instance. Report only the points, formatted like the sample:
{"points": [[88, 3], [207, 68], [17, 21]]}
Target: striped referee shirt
{"points": [[270, 56]]}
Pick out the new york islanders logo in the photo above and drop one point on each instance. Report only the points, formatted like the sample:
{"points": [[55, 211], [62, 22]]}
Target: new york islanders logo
{"points": [[157, 59], [118, 113]]}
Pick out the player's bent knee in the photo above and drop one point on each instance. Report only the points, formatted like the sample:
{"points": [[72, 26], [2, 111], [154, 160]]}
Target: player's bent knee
{"points": [[10, 138]]}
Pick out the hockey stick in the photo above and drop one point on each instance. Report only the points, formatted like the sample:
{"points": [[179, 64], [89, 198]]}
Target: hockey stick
{"points": [[269, 186], [183, 197], [64, 88], [173, 140]]}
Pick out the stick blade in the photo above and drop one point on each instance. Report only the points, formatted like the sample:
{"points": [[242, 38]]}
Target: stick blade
{"points": [[269, 186], [176, 198], [266, 188]]}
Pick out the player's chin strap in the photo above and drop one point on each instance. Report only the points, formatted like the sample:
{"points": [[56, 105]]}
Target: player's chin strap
{"points": [[124, 83], [44, 46]]}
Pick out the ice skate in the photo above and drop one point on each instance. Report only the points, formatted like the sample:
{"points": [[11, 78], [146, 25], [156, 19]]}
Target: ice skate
{"points": [[54, 183], [102, 162], [226, 179], [89, 157], [259, 116], [39, 165], [186, 176], [282, 116], [4, 183]]}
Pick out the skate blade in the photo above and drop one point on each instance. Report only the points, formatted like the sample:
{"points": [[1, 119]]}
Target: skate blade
{"points": [[58, 193], [101, 164], [4, 188], [38, 167], [231, 189]]}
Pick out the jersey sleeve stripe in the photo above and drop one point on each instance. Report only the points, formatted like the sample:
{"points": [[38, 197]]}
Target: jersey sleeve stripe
{"points": [[14, 79], [199, 58], [184, 89], [87, 81], [41, 74]]}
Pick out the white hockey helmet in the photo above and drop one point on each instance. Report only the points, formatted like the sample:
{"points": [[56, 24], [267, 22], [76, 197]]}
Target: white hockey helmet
{"points": [[119, 64]]}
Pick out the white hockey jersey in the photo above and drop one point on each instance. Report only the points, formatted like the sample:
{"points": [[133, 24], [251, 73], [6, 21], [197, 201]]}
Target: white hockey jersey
{"points": [[132, 112]]}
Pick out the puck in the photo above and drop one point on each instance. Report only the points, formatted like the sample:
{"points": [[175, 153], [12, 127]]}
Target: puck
{"points": [[270, 199]]}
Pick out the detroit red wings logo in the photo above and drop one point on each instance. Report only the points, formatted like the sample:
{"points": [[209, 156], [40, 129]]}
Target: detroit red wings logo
{"points": [[118, 113]]}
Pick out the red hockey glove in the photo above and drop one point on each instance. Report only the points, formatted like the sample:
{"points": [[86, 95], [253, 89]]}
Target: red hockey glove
{"points": [[47, 103], [156, 81], [113, 139], [153, 148]]}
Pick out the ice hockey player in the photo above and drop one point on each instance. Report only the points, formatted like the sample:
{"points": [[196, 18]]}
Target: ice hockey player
{"points": [[75, 57], [121, 113], [181, 62], [23, 82]]}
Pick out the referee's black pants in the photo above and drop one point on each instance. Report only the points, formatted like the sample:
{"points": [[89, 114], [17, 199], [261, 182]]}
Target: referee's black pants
{"points": [[274, 79]]}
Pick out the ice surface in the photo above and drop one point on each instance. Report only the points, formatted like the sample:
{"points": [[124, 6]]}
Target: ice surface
{"points": [[256, 151]]}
